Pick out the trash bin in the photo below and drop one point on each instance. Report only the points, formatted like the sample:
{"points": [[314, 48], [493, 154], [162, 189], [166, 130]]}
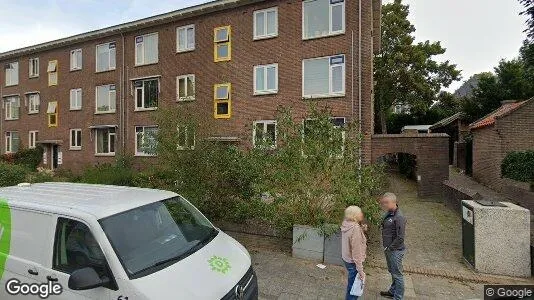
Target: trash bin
{"points": [[496, 237]]}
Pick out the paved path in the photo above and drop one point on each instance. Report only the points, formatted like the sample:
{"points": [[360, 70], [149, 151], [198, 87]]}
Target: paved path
{"points": [[433, 240]]}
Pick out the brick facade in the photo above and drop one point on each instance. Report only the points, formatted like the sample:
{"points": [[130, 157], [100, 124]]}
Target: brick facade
{"points": [[288, 50], [432, 151], [511, 132]]}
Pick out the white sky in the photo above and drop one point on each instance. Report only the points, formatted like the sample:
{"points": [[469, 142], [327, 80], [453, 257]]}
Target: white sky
{"points": [[476, 33]]}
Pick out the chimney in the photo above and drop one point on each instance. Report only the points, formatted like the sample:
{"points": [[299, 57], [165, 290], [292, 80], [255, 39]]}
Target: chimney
{"points": [[505, 102]]}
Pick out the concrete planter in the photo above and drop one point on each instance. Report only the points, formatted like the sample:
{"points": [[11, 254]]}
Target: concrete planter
{"points": [[332, 249], [308, 243]]}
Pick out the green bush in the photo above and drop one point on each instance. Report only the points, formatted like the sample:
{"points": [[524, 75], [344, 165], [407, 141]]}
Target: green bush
{"points": [[119, 173], [519, 166], [12, 174], [29, 158]]}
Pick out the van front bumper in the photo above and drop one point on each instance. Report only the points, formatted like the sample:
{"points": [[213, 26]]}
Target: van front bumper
{"points": [[245, 289]]}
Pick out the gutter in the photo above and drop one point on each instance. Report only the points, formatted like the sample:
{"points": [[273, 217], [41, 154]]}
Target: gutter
{"points": [[360, 79]]}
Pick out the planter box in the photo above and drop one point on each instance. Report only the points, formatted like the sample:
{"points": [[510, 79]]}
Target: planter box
{"points": [[308, 243], [332, 249]]}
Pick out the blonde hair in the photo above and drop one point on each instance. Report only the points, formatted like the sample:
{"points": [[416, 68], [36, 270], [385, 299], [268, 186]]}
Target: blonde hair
{"points": [[352, 212]]}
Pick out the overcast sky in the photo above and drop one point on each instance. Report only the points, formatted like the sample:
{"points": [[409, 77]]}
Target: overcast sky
{"points": [[476, 33]]}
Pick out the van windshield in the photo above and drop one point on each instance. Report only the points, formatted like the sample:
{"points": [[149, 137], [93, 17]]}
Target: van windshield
{"points": [[152, 237]]}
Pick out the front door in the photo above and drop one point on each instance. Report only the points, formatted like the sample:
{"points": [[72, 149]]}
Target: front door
{"points": [[55, 156]]}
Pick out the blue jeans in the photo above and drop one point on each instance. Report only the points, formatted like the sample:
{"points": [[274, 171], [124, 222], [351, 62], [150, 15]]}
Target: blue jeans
{"points": [[351, 268], [394, 262]]}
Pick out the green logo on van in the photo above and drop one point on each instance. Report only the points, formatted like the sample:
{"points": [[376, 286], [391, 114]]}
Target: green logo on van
{"points": [[5, 234], [219, 264]]}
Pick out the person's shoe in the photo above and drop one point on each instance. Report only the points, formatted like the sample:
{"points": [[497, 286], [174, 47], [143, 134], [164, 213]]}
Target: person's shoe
{"points": [[387, 294]]}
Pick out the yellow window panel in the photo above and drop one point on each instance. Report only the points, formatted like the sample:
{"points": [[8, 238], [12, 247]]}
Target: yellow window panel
{"points": [[222, 110], [52, 72], [52, 113], [222, 48], [222, 104], [222, 34]]}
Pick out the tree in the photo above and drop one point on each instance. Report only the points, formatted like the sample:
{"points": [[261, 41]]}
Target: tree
{"points": [[406, 73], [529, 12]]}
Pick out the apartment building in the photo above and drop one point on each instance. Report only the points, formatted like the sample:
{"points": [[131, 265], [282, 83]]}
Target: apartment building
{"points": [[90, 97]]}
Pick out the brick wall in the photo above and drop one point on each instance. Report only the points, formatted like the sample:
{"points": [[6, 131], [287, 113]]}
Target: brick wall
{"points": [[491, 144], [288, 50]]}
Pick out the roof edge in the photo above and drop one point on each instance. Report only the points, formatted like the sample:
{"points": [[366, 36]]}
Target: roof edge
{"points": [[188, 12]]}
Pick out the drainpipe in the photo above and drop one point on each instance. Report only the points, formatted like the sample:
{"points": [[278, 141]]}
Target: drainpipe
{"points": [[360, 78], [123, 92]]}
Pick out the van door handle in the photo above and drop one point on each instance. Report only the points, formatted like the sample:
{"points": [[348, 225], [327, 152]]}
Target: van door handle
{"points": [[33, 272], [51, 278]]}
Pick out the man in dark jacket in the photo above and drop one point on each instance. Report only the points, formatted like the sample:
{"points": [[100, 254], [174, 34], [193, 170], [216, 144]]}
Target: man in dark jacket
{"points": [[393, 232]]}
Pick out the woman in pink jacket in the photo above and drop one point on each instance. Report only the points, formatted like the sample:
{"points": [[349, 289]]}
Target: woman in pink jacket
{"points": [[353, 245]]}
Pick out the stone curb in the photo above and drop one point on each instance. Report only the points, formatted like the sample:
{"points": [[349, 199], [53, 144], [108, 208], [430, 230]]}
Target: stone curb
{"points": [[452, 275]]}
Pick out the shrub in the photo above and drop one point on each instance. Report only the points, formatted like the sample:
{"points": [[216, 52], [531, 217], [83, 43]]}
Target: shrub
{"points": [[118, 173], [12, 174], [519, 166], [29, 158]]}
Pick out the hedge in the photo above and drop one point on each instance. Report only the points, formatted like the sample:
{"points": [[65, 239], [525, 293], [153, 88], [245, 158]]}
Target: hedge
{"points": [[519, 166]]}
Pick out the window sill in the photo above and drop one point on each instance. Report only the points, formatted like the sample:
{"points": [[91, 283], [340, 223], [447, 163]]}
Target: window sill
{"points": [[75, 70], [217, 60], [145, 109], [323, 36], [145, 155], [33, 113], [263, 93], [148, 64], [12, 119], [104, 154], [184, 51], [186, 99], [266, 37], [105, 71], [313, 97], [75, 148], [105, 112], [11, 85], [33, 77], [75, 109]]}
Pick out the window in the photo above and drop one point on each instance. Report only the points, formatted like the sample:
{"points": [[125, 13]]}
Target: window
{"points": [[52, 114], [322, 18], [76, 99], [52, 73], [185, 38], [34, 101], [105, 98], [146, 94], [146, 49], [146, 140], [264, 134], [32, 139], [12, 141], [315, 130], [222, 96], [323, 77], [223, 44], [105, 57], [105, 141], [76, 60], [12, 73], [185, 87], [75, 139], [186, 137], [34, 67], [76, 248], [266, 23], [12, 107], [266, 79]]}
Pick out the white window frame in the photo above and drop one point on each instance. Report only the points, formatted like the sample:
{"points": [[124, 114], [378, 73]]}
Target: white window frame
{"points": [[331, 67], [33, 67], [140, 153], [33, 108], [265, 35], [142, 88], [78, 99], [73, 60], [187, 133], [32, 139], [111, 91], [78, 133], [265, 91], [12, 73], [265, 123], [187, 96], [330, 23], [9, 136], [185, 48], [10, 103], [142, 55], [109, 49], [109, 134]]}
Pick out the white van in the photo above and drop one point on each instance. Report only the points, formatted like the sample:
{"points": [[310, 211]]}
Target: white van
{"points": [[79, 241]]}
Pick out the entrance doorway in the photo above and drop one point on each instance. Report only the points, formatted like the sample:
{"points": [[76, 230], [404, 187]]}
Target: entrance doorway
{"points": [[55, 157]]}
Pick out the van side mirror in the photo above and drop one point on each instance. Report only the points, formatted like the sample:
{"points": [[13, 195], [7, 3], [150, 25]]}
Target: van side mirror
{"points": [[86, 279]]}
